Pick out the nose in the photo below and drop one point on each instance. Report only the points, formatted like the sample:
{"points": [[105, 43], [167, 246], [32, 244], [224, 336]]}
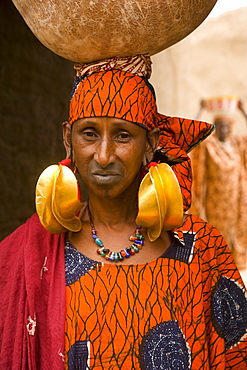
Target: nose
{"points": [[104, 154]]}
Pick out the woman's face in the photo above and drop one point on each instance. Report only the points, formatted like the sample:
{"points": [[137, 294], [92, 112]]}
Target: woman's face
{"points": [[222, 129], [109, 153]]}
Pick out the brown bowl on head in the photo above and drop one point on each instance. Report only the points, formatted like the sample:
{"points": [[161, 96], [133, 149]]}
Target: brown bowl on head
{"points": [[88, 30]]}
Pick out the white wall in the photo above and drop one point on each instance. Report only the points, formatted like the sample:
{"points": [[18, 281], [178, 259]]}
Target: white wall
{"points": [[212, 61]]}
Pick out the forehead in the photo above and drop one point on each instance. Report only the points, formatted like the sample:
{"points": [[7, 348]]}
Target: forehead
{"points": [[109, 123], [221, 123]]}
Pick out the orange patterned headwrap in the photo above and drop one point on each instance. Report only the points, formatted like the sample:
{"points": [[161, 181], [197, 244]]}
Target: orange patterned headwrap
{"points": [[114, 94], [119, 87]]}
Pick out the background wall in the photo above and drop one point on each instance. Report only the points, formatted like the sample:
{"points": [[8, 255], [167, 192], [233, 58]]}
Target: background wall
{"points": [[212, 61], [35, 86]]}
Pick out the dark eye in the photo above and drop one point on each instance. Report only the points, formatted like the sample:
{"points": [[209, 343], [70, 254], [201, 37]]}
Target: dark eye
{"points": [[123, 136], [89, 134]]}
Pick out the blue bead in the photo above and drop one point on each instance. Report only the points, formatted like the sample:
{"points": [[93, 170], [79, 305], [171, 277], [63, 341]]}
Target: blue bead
{"points": [[140, 242], [127, 253], [99, 242], [111, 258], [94, 236]]}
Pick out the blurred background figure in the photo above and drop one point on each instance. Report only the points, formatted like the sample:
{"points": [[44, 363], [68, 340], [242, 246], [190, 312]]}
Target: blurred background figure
{"points": [[220, 176]]}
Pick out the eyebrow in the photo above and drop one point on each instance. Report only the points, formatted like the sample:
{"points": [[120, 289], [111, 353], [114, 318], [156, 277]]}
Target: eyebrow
{"points": [[116, 122]]}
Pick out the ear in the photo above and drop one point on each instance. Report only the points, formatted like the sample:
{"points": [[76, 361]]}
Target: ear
{"points": [[67, 138], [153, 138]]}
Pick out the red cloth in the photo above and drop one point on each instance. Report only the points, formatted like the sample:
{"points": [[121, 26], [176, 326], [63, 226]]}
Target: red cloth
{"points": [[32, 269]]}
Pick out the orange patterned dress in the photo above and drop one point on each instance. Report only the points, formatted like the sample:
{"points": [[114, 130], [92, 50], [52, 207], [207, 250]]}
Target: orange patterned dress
{"points": [[184, 310]]}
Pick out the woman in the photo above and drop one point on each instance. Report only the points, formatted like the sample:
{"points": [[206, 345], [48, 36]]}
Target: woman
{"points": [[219, 169], [174, 299]]}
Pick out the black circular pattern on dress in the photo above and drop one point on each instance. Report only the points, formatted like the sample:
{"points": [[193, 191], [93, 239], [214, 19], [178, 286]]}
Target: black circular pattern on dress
{"points": [[229, 311], [76, 264], [164, 348], [78, 356]]}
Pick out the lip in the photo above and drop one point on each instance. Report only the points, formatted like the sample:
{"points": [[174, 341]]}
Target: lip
{"points": [[105, 173], [105, 177]]}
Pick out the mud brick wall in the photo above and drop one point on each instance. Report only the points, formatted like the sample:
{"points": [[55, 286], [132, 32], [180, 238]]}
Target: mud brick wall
{"points": [[35, 86]]}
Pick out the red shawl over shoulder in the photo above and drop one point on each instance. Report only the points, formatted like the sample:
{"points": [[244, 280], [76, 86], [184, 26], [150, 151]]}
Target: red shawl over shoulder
{"points": [[32, 299]]}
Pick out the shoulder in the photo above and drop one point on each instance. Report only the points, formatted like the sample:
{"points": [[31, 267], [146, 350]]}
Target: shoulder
{"points": [[208, 243], [241, 142], [201, 228], [19, 250], [210, 250], [206, 235], [27, 238], [32, 225], [24, 252]]}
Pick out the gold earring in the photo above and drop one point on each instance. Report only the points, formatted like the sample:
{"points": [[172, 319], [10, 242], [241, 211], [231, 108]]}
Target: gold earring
{"points": [[57, 200], [160, 201]]}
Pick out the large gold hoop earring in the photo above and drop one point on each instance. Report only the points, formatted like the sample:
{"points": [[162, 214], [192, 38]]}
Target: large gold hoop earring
{"points": [[160, 201], [57, 202]]}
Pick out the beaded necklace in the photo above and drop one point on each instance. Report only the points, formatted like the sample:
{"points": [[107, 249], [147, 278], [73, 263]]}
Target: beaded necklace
{"points": [[137, 243]]}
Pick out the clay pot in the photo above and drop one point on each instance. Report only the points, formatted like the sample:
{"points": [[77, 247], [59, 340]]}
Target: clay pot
{"points": [[88, 30]]}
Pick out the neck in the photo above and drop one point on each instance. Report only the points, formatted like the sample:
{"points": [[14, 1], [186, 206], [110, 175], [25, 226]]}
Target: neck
{"points": [[113, 212]]}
